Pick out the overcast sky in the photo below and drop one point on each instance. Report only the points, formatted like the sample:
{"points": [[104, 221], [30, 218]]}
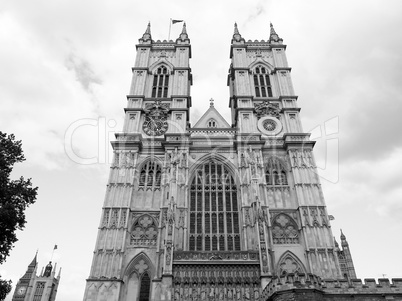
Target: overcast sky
{"points": [[63, 62]]}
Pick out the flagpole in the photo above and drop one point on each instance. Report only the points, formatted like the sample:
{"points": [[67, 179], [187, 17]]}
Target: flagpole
{"points": [[55, 247], [51, 258], [170, 25]]}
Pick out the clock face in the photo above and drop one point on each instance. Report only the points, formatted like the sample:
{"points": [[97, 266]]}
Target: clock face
{"points": [[21, 290], [154, 127]]}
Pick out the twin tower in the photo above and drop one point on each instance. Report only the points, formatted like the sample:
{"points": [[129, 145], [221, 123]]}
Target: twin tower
{"points": [[217, 210]]}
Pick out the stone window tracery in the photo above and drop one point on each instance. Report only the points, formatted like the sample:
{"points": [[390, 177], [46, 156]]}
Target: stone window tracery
{"points": [[290, 264], [284, 230], [214, 216], [275, 173], [160, 83], [144, 231], [262, 83], [150, 175]]}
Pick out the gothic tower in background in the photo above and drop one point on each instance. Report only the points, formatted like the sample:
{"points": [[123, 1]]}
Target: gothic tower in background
{"points": [[217, 210], [32, 287]]}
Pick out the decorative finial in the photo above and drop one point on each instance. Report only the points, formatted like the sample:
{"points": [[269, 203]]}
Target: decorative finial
{"points": [[236, 35], [147, 34], [343, 237], [183, 36], [336, 243], [211, 102], [184, 30], [273, 36], [148, 30], [236, 30]]}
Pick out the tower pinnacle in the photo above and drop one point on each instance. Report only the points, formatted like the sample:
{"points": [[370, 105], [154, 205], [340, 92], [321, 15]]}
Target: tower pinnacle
{"points": [[343, 237], [273, 36], [236, 35], [147, 34], [183, 36]]}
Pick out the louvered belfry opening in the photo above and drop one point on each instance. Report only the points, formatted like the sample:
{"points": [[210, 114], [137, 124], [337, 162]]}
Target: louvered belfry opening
{"points": [[214, 214]]}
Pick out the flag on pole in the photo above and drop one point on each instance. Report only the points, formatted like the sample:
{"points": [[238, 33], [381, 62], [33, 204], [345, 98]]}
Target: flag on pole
{"points": [[55, 247], [176, 21]]}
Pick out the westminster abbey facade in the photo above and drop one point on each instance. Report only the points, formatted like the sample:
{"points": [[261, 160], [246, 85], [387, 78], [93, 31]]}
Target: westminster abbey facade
{"points": [[218, 210]]}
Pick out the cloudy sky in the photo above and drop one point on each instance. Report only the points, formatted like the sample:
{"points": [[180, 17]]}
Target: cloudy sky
{"points": [[66, 63]]}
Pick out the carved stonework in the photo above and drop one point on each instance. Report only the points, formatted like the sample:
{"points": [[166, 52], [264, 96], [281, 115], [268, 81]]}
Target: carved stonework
{"points": [[248, 256], [144, 231], [284, 230], [222, 282], [267, 108], [301, 158], [289, 264]]}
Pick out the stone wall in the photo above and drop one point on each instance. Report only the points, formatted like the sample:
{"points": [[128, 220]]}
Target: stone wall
{"points": [[311, 287]]}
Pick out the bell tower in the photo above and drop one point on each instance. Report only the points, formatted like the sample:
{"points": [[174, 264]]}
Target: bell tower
{"points": [[134, 249], [279, 179], [33, 287]]}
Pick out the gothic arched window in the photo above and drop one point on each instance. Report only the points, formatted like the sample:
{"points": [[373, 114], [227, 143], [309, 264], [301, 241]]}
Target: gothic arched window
{"points": [[262, 84], [145, 287], [150, 175], [160, 83], [214, 213], [275, 173]]}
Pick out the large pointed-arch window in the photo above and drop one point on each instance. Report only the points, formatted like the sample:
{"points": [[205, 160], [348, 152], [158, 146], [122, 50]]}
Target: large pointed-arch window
{"points": [[145, 287], [214, 214], [160, 83], [262, 84], [275, 173], [150, 175]]}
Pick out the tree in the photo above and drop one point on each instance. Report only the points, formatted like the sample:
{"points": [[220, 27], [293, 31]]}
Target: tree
{"points": [[15, 197]]}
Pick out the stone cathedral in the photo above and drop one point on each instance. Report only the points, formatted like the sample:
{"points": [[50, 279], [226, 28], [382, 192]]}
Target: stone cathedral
{"points": [[217, 210]]}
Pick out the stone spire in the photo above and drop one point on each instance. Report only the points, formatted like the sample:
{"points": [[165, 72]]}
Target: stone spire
{"points": [[336, 244], [147, 34], [34, 261], [343, 237], [273, 36], [183, 36], [236, 35]]}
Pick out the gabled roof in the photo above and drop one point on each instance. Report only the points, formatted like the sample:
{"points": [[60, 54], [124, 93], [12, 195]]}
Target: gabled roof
{"points": [[212, 114]]}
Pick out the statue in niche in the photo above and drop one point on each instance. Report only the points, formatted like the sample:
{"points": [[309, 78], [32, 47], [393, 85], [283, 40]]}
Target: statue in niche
{"points": [[168, 255], [256, 292], [230, 293], [184, 160], [177, 294], [175, 157], [186, 294], [221, 293], [195, 292], [203, 294], [212, 293], [242, 160], [238, 293], [247, 293]]}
